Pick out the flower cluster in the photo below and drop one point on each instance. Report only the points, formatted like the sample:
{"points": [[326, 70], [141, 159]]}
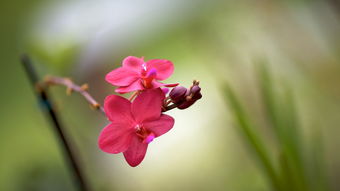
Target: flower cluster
{"points": [[136, 122]]}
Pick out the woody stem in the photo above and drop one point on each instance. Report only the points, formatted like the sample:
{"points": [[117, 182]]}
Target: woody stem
{"points": [[71, 86], [133, 95], [169, 107], [51, 114]]}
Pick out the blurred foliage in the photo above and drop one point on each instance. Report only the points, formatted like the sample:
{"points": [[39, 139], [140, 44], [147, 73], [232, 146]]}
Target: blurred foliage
{"points": [[292, 132], [59, 58], [287, 169]]}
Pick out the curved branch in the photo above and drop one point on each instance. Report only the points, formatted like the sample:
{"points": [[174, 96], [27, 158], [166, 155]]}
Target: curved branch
{"points": [[69, 151], [72, 87]]}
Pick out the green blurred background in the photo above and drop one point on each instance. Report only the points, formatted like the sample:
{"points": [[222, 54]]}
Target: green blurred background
{"points": [[260, 49]]}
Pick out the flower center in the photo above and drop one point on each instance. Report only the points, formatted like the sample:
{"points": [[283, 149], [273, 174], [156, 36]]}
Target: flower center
{"points": [[148, 75], [149, 138], [145, 135], [144, 67]]}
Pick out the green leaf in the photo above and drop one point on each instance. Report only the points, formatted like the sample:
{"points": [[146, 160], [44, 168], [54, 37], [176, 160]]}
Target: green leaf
{"points": [[282, 116], [248, 129]]}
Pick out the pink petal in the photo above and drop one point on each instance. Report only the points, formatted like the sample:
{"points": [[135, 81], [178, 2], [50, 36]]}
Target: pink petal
{"points": [[171, 85], [156, 84], [161, 125], [136, 85], [136, 152], [118, 109], [165, 90], [115, 138], [122, 76], [164, 68], [148, 105], [133, 63]]}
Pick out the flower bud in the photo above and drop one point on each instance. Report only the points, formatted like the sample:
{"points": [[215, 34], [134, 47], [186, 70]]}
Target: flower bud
{"points": [[182, 97], [186, 104], [195, 89], [195, 92], [178, 94], [192, 96], [197, 96]]}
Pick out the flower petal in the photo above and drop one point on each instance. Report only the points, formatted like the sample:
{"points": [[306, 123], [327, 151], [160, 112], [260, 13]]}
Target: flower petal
{"points": [[115, 138], [133, 63], [164, 68], [118, 109], [156, 84], [136, 85], [147, 105], [122, 76], [135, 154], [161, 125]]}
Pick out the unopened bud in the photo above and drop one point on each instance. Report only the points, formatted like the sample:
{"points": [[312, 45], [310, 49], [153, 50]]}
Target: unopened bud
{"points": [[195, 89], [197, 96], [192, 96], [186, 104], [183, 97], [178, 94]]}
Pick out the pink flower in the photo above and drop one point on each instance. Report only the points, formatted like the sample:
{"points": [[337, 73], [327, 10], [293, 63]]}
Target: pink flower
{"points": [[135, 74], [134, 125]]}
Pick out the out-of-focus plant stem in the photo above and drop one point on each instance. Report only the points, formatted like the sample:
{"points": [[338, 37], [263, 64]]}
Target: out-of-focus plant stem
{"points": [[51, 114], [248, 129], [289, 171], [282, 117], [71, 86]]}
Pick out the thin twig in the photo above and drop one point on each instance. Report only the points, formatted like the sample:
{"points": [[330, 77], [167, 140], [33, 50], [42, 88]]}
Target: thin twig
{"points": [[50, 112], [71, 86], [134, 95], [169, 107]]}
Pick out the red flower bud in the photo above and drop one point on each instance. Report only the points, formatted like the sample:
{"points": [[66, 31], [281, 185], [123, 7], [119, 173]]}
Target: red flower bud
{"points": [[178, 94], [195, 89], [197, 96], [191, 97], [186, 104]]}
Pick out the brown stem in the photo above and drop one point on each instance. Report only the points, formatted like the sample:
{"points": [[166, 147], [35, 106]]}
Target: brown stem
{"points": [[71, 86], [133, 95], [169, 107], [51, 114]]}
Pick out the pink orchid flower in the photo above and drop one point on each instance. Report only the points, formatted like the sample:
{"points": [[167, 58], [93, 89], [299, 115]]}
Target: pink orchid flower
{"points": [[135, 74], [134, 125]]}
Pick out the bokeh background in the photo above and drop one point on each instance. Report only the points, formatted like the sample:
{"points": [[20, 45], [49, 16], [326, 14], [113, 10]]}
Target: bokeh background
{"points": [[216, 42]]}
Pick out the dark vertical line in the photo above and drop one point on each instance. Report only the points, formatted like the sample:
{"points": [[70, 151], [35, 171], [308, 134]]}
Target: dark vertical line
{"points": [[51, 114]]}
